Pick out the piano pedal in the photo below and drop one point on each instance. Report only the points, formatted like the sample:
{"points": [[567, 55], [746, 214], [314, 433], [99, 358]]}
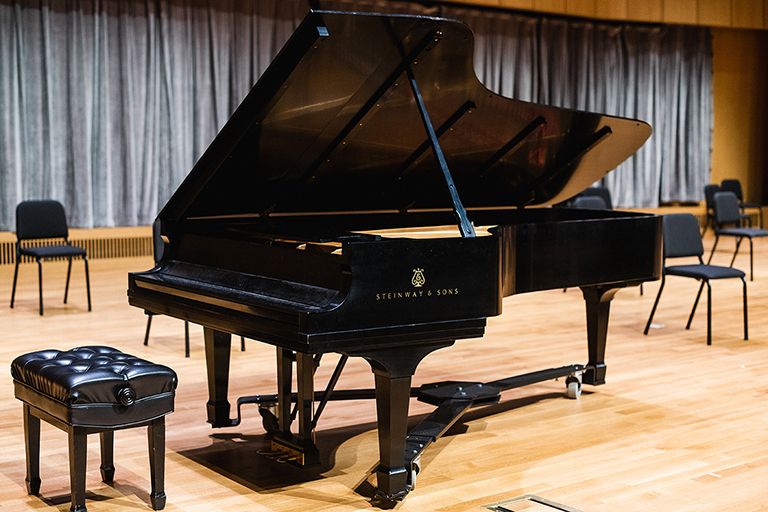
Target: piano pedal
{"points": [[280, 456], [283, 458], [295, 451]]}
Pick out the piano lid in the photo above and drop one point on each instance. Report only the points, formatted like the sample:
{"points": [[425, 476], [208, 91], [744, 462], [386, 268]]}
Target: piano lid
{"points": [[333, 126]]}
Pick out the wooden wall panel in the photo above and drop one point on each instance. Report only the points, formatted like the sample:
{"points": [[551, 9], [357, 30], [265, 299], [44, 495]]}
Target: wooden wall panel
{"points": [[747, 13], [612, 9], [519, 4], [650, 10], [765, 14], [715, 13], [680, 11], [580, 8], [549, 5], [739, 148]]}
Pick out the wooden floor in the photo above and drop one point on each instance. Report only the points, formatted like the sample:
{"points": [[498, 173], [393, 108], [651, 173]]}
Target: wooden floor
{"points": [[678, 427]]}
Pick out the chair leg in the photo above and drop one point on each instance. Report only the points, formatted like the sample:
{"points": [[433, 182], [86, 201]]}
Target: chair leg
{"points": [[242, 344], [66, 285], [751, 270], [655, 303], [40, 284], [736, 251], [87, 282], [78, 442], [186, 338], [15, 278], [107, 441], [695, 303], [709, 313], [32, 445], [641, 289], [156, 437], [149, 325], [714, 246], [746, 321]]}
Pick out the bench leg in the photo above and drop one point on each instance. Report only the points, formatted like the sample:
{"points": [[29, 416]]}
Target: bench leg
{"points": [[87, 282], [156, 437], [32, 444], [78, 442], [66, 285], [40, 284], [107, 439]]}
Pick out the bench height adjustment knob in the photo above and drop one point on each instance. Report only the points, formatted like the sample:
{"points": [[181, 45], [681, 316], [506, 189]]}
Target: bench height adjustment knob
{"points": [[126, 396]]}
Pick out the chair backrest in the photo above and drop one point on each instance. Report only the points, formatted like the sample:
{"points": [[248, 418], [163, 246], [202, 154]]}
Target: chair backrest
{"points": [[727, 209], [709, 195], [602, 192], [158, 246], [589, 203], [681, 236], [734, 186], [40, 219]]}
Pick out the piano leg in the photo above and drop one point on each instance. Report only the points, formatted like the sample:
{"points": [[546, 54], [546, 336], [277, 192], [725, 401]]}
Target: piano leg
{"points": [[284, 386], [392, 400], [393, 369], [298, 449], [305, 399], [217, 346], [598, 301]]}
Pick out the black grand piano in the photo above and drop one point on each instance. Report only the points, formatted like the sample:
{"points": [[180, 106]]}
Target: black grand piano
{"points": [[365, 123]]}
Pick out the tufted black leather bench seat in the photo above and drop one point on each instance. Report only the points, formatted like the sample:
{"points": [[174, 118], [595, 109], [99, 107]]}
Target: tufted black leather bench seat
{"points": [[91, 390]]}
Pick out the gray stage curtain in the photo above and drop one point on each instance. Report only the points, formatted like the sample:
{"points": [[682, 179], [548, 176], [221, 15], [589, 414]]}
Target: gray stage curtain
{"points": [[106, 104]]}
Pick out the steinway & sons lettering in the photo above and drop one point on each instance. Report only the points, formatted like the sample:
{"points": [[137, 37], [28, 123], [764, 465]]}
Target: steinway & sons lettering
{"points": [[418, 280], [416, 294]]}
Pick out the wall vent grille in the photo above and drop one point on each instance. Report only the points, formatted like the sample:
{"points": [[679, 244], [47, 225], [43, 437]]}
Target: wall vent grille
{"points": [[97, 248]]}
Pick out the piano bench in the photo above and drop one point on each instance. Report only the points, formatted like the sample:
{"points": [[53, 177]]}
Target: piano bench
{"points": [[91, 390]]}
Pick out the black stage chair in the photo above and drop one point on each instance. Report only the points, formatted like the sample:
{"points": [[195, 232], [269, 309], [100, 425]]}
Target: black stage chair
{"points": [[589, 203], [44, 223], [601, 192], [682, 239], [158, 247], [727, 213], [734, 186], [709, 202]]}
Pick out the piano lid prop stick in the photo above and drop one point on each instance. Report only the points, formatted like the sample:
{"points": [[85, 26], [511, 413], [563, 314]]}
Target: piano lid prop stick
{"points": [[465, 226]]}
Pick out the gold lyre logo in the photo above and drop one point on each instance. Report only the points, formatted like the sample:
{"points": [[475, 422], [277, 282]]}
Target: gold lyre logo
{"points": [[418, 278]]}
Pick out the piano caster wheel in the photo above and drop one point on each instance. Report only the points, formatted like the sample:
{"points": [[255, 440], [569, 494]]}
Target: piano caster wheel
{"points": [[415, 469], [269, 420], [573, 387]]}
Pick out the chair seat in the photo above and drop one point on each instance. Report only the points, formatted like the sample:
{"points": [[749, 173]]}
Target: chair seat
{"points": [[745, 232], [750, 205], [52, 251], [704, 271]]}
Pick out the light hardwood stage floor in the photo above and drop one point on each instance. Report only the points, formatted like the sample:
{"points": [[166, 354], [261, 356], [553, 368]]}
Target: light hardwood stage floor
{"points": [[679, 426]]}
